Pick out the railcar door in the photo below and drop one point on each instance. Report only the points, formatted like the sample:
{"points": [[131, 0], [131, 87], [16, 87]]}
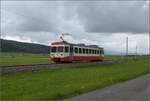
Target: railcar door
{"points": [[71, 53]]}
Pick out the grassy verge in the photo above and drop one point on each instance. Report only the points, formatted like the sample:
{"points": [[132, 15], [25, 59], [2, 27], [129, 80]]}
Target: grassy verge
{"points": [[55, 84], [23, 59]]}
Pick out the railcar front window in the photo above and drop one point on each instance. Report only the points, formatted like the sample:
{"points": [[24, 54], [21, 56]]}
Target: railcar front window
{"points": [[66, 49], [60, 49], [53, 49]]}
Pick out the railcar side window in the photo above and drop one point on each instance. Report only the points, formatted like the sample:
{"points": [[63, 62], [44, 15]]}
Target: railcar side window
{"points": [[102, 51], [97, 51], [53, 49], [83, 51], [60, 49], [90, 51], [80, 50], [86, 51], [66, 49], [76, 50]]}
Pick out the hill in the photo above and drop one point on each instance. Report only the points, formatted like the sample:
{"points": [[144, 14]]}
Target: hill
{"points": [[14, 46]]}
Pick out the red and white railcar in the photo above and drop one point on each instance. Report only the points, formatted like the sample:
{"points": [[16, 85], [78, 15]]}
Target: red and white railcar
{"points": [[67, 52]]}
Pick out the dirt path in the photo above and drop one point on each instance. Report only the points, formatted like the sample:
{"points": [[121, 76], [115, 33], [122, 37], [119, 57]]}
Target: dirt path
{"points": [[132, 90]]}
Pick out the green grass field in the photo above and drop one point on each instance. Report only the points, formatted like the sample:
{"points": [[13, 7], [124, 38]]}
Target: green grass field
{"points": [[23, 59], [60, 83]]}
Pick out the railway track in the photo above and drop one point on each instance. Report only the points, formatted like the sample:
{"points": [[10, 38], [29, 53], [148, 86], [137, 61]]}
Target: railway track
{"points": [[36, 67]]}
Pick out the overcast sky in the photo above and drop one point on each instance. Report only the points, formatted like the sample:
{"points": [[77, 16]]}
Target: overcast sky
{"points": [[106, 24]]}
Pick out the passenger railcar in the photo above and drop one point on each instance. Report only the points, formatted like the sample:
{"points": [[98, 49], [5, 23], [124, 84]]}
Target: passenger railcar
{"points": [[63, 51]]}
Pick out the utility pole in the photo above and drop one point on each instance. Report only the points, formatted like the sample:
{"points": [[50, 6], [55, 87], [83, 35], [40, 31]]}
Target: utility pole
{"points": [[127, 46], [149, 42], [0, 40], [136, 51]]}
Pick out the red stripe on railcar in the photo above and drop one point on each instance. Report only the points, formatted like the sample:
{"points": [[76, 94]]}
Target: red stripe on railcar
{"points": [[79, 58], [57, 43], [88, 58]]}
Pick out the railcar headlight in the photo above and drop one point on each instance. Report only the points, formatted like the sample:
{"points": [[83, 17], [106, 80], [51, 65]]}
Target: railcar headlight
{"points": [[52, 55]]}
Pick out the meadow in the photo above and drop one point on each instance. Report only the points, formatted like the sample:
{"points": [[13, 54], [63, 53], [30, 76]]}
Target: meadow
{"points": [[60, 83], [23, 59]]}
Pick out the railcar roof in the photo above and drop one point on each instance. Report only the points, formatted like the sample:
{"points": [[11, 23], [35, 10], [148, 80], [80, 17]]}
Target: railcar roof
{"points": [[92, 46]]}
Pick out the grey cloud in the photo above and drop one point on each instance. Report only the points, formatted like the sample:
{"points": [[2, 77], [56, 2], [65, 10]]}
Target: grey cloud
{"points": [[113, 17], [106, 17], [35, 17]]}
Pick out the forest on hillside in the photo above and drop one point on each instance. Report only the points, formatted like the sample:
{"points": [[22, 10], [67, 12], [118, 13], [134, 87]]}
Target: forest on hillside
{"points": [[14, 46]]}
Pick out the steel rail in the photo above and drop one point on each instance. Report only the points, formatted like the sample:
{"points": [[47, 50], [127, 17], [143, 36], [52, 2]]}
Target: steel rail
{"points": [[36, 67]]}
